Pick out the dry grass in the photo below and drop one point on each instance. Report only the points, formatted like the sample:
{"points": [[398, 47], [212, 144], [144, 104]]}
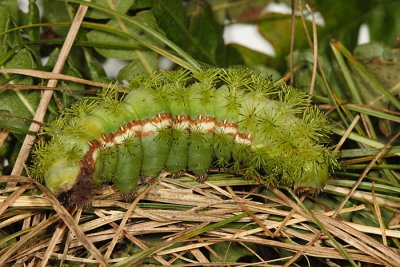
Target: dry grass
{"points": [[189, 218], [180, 222]]}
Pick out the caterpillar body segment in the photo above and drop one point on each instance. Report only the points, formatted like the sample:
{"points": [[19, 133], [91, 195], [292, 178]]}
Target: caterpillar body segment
{"points": [[156, 120], [226, 109], [130, 155], [201, 112], [181, 121], [176, 96]]}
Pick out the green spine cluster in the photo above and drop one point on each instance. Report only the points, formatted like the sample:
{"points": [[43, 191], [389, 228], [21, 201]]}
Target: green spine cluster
{"points": [[287, 135]]}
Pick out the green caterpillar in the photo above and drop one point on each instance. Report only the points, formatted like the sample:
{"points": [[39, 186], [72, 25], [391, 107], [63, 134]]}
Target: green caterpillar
{"points": [[181, 120]]}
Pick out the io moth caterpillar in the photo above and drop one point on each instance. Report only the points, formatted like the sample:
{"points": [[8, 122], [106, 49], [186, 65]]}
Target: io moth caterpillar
{"points": [[181, 120]]}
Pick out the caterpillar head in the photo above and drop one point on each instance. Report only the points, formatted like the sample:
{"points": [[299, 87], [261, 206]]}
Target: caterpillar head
{"points": [[316, 171], [313, 178], [61, 176], [57, 162]]}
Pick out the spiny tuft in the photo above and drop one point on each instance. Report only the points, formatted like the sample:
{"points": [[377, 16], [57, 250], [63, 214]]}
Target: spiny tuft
{"points": [[236, 78]]}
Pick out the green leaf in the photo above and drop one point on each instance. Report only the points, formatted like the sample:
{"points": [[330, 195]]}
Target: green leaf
{"points": [[230, 252], [342, 19], [233, 56], [373, 112], [254, 59], [181, 57], [143, 4], [304, 60], [8, 40], [117, 5], [144, 62], [265, 71], [383, 61], [70, 68], [376, 14], [16, 110], [145, 17], [366, 74], [368, 51], [93, 68], [12, 8], [194, 29], [247, 10], [384, 22], [33, 17], [22, 59], [137, 257], [276, 28], [58, 11], [18, 107], [251, 57]]}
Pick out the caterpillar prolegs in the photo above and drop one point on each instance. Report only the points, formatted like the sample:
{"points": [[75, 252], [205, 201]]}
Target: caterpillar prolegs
{"points": [[181, 120]]}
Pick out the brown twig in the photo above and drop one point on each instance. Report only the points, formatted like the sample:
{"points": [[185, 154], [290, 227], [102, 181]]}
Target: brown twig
{"points": [[267, 232], [70, 235], [364, 173], [52, 76], [300, 5], [123, 222], [29, 139], [351, 192], [352, 236], [287, 218], [315, 55], [378, 215], [111, 209], [42, 87], [292, 35], [347, 133], [46, 97], [3, 137], [72, 225]]}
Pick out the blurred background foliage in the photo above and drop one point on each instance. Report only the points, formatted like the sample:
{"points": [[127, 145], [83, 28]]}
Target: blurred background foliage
{"points": [[196, 27], [351, 79]]}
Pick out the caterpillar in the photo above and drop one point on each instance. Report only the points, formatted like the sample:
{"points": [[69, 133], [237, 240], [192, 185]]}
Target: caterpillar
{"points": [[187, 121]]}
